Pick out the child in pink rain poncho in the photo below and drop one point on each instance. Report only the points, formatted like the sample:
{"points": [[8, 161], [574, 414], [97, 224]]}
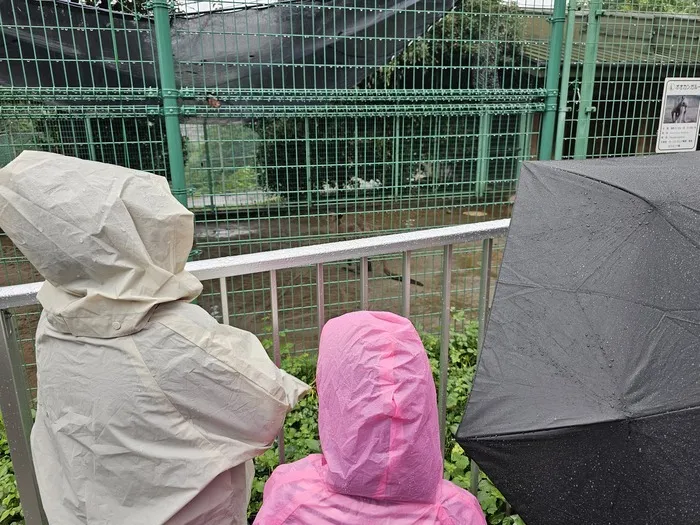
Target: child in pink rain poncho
{"points": [[378, 423]]}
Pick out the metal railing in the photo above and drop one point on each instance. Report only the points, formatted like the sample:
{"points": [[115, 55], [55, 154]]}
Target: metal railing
{"points": [[15, 401]]}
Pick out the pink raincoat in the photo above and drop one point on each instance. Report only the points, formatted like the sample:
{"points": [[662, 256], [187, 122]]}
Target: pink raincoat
{"points": [[378, 422]]}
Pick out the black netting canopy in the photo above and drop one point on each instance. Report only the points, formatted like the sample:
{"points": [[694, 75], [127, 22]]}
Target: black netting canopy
{"points": [[292, 45]]}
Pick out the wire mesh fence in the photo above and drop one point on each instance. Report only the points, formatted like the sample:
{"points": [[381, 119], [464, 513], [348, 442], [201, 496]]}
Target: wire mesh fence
{"points": [[621, 53], [300, 122], [289, 123], [282, 124]]}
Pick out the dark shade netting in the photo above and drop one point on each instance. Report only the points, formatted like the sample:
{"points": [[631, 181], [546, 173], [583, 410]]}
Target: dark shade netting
{"points": [[287, 45]]}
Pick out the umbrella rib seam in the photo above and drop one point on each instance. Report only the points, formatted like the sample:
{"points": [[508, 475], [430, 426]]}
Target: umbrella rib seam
{"points": [[607, 421]]}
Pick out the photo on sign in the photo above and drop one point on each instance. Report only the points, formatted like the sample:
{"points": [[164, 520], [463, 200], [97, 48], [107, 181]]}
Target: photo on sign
{"points": [[681, 109]]}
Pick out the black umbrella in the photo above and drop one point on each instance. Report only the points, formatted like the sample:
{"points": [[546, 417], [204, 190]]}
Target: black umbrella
{"points": [[585, 407]]}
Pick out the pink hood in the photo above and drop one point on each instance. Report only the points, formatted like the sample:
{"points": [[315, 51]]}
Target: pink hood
{"points": [[378, 417]]}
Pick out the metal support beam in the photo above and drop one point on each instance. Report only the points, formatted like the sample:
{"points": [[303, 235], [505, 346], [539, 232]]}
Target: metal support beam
{"points": [[445, 325], [276, 348], [565, 73], [552, 80], [586, 108], [15, 405], [171, 110], [484, 296]]}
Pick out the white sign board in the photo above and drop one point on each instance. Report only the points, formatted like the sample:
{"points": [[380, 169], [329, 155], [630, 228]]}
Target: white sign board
{"points": [[679, 122]]}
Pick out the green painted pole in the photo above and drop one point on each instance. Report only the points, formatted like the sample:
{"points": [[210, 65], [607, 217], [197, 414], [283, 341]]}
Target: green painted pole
{"points": [[484, 152], [556, 40], [90, 139], [396, 168], [307, 144], [207, 158], [171, 110], [586, 107], [524, 138], [565, 74]]}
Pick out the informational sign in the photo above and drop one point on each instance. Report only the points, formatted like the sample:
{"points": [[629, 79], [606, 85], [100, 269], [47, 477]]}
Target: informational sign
{"points": [[679, 123]]}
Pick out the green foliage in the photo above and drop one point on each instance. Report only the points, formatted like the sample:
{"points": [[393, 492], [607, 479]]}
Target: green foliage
{"points": [[470, 47], [137, 143], [223, 161], [10, 509], [121, 6], [654, 6], [301, 428], [17, 135], [472, 43], [301, 154]]}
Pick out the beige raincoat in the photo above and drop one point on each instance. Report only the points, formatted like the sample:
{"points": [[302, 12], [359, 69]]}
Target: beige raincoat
{"points": [[149, 411]]}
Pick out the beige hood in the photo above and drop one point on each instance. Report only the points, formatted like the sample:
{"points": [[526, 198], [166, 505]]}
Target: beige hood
{"points": [[111, 242]]}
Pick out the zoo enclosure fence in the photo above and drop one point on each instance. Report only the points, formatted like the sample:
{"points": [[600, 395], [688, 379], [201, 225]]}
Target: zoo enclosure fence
{"points": [[396, 115]]}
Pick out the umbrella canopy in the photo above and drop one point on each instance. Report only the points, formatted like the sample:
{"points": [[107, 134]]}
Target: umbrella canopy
{"points": [[585, 406]]}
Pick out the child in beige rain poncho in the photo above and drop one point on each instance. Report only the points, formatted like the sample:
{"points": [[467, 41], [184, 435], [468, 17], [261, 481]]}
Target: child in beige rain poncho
{"points": [[149, 412]]}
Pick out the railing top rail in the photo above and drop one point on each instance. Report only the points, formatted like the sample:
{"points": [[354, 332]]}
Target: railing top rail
{"points": [[25, 294]]}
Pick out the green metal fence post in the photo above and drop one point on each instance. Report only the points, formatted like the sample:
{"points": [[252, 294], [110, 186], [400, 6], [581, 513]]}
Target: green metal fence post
{"points": [[207, 159], [524, 138], [565, 73], [90, 139], [307, 146], [586, 107], [556, 39], [168, 86], [396, 168], [483, 153]]}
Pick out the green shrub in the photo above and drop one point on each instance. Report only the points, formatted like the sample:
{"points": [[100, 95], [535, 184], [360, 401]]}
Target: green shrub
{"points": [[10, 509], [301, 429]]}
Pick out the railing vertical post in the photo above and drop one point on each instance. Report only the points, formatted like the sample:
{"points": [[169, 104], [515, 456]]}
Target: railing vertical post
{"points": [[320, 299], [223, 295], [17, 416], [169, 92], [276, 347], [484, 293], [552, 79], [586, 107], [406, 293], [484, 288], [364, 283], [445, 325]]}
